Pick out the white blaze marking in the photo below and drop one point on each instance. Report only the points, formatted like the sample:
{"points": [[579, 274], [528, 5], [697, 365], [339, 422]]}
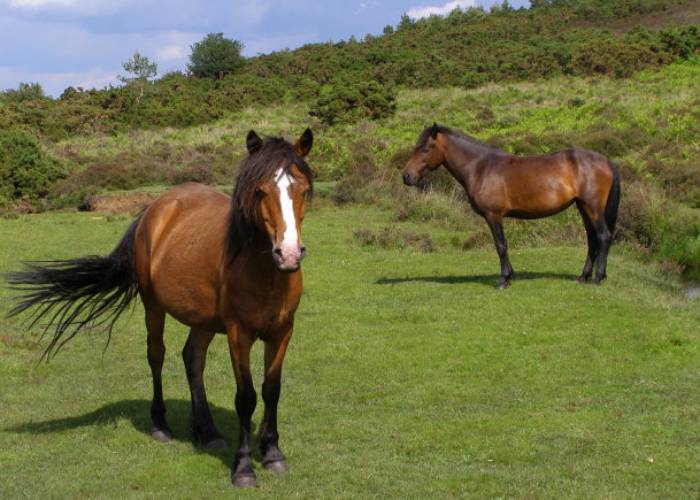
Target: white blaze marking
{"points": [[290, 241]]}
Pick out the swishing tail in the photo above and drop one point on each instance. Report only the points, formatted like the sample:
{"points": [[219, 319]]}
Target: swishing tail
{"points": [[613, 203], [73, 294]]}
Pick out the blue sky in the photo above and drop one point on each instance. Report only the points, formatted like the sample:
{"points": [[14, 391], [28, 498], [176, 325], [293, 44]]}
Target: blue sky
{"points": [[83, 42]]}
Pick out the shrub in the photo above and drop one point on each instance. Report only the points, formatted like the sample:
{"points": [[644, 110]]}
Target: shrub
{"points": [[26, 171], [347, 102], [24, 92], [391, 237]]}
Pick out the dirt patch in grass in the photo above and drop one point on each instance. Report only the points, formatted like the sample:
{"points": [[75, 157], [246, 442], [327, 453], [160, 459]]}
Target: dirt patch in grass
{"points": [[119, 203]]}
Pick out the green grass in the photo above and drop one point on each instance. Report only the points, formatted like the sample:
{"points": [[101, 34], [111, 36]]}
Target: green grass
{"points": [[409, 376]]}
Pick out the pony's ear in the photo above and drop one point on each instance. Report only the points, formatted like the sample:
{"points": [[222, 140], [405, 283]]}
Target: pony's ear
{"points": [[304, 144], [434, 131], [253, 142]]}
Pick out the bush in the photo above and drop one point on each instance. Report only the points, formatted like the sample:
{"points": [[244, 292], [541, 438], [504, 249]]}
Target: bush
{"points": [[26, 171], [25, 92], [347, 102], [215, 56], [392, 237]]}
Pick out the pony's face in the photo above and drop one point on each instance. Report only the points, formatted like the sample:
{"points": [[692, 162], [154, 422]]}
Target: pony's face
{"points": [[428, 155], [281, 210]]}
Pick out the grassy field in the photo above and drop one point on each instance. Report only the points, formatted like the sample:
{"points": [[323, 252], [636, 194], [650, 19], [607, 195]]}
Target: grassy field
{"points": [[409, 376], [649, 124]]}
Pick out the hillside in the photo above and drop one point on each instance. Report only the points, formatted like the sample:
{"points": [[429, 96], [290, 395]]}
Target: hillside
{"points": [[648, 124], [618, 77], [465, 49]]}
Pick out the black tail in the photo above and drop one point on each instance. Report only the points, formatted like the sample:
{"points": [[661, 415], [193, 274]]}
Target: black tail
{"points": [[613, 202], [72, 294]]}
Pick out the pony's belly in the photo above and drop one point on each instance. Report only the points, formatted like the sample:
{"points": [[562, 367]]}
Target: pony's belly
{"points": [[192, 305], [541, 204]]}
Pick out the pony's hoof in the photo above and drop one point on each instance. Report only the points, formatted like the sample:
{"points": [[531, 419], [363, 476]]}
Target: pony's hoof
{"points": [[217, 444], [244, 480], [502, 285], [583, 279], [161, 435], [278, 466]]}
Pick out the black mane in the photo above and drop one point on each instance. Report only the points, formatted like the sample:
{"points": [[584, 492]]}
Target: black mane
{"points": [[439, 129], [256, 169]]}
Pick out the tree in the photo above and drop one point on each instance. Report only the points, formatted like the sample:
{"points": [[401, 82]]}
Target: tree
{"points": [[141, 70], [215, 56]]}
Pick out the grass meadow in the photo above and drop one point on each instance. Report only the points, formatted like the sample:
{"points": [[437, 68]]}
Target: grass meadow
{"points": [[409, 376], [648, 124]]}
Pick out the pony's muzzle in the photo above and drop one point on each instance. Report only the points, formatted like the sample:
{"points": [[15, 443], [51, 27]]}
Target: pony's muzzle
{"points": [[288, 258], [408, 179]]}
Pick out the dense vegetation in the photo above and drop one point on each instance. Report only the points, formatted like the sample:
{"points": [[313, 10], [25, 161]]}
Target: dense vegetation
{"points": [[465, 49], [368, 100]]}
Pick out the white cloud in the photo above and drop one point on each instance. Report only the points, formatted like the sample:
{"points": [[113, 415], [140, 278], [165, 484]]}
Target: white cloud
{"points": [[177, 46], [18, 4], [251, 12], [265, 45], [171, 53], [76, 7], [54, 83], [439, 10]]}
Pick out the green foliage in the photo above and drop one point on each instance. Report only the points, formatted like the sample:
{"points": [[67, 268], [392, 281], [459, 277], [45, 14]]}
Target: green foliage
{"points": [[140, 68], [466, 49], [347, 102], [215, 56], [26, 171], [24, 92]]}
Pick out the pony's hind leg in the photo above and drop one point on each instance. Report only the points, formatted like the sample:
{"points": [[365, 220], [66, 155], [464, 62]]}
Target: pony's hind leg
{"points": [[499, 238], [155, 322], [273, 459], [194, 355], [604, 240], [593, 245]]}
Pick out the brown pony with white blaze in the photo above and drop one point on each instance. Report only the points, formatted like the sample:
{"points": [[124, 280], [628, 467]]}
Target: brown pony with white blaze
{"points": [[216, 264], [501, 185]]}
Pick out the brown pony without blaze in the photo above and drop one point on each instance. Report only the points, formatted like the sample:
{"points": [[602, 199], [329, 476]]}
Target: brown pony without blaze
{"points": [[216, 264], [427, 156], [499, 185]]}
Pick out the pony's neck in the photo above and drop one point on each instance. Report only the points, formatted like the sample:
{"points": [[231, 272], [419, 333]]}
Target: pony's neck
{"points": [[461, 156], [257, 260]]}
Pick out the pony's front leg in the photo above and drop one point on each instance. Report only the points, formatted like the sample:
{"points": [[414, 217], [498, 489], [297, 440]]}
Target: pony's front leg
{"points": [[275, 349], [240, 342], [499, 239]]}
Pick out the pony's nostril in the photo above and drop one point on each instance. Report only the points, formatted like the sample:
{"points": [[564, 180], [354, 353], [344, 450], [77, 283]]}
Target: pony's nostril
{"points": [[303, 252], [277, 251], [407, 178]]}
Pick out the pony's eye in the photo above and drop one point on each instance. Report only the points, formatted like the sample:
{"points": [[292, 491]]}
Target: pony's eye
{"points": [[259, 192]]}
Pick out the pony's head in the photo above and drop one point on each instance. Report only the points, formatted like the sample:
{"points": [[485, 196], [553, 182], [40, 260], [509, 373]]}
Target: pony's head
{"points": [[428, 155], [270, 198]]}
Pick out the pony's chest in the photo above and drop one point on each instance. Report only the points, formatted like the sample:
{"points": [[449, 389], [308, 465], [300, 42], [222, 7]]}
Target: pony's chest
{"points": [[263, 308]]}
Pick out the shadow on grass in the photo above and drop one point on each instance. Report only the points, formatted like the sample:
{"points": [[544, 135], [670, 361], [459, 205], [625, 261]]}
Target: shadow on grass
{"points": [[138, 412], [484, 279]]}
